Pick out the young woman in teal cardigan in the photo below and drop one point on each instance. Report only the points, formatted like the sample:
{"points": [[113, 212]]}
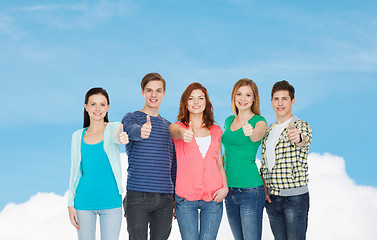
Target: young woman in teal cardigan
{"points": [[96, 179]]}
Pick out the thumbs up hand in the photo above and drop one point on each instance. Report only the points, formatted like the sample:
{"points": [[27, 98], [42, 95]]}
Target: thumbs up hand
{"points": [[293, 134], [146, 129], [122, 136], [188, 134], [247, 129]]}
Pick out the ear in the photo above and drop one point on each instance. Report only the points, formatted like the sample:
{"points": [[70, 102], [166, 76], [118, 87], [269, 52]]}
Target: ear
{"points": [[85, 107], [293, 101], [163, 93]]}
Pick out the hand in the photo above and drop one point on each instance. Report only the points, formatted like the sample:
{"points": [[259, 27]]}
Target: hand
{"points": [[188, 134], [220, 194], [247, 129], [146, 129], [293, 134], [267, 196], [122, 136], [174, 212], [73, 217]]}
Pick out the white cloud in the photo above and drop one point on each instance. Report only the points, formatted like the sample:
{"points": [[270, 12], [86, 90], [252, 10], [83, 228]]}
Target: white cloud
{"points": [[339, 209]]}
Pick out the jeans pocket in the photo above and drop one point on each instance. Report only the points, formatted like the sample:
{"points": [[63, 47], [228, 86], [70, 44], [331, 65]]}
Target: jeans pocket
{"points": [[133, 197], [178, 199], [170, 196]]}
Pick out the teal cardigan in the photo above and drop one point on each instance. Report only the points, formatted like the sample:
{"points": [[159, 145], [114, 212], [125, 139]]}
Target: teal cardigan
{"points": [[111, 147]]}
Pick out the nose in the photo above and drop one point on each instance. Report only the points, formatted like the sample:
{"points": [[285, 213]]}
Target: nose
{"points": [[154, 93]]}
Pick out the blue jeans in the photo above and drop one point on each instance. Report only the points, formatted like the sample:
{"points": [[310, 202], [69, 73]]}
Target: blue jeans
{"points": [[188, 218], [154, 209], [288, 216], [244, 207], [110, 223]]}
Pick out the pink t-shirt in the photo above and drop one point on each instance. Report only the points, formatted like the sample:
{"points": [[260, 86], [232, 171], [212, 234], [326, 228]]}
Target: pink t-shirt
{"points": [[198, 178]]}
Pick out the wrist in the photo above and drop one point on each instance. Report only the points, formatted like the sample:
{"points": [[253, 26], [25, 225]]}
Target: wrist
{"points": [[300, 138]]}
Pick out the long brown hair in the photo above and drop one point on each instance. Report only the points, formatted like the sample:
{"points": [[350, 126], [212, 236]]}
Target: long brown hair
{"points": [[255, 107], [184, 115]]}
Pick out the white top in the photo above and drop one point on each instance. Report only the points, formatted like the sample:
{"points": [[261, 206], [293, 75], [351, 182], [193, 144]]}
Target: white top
{"points": [[271, 142], [203, 144]]}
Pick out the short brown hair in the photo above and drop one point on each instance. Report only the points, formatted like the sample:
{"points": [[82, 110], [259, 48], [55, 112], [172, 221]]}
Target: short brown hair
{"points": [[152, 77], [255, 107], [184, 115], [283, 85]]}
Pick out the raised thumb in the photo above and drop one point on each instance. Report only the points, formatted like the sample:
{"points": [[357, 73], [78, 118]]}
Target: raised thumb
{"points": [[148, 119], [292, 125]]}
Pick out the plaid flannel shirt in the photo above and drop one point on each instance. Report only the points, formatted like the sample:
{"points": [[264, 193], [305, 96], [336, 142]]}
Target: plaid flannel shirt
{"points": [[291, 167]]}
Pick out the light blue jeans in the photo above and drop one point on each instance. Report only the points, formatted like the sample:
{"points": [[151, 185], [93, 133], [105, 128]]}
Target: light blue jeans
{"points": [[188, 218], [244, 207], [110, 223]]}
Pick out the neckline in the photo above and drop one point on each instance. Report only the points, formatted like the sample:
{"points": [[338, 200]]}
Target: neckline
{"points": [[234, 117], [91, 144]]}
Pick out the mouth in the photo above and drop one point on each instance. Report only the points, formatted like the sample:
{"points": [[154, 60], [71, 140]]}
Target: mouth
{"points": [[242, 104], [153, 100], [280, 108], [97, 114]]}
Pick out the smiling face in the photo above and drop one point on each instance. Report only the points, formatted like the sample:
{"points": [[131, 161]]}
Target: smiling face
{"points": [[153, 94], [282, 105], [244, 98], [97, 107], [196, 102]]}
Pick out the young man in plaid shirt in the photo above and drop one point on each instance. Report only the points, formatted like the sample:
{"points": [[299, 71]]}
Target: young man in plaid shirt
{"points": [[284, 167]]}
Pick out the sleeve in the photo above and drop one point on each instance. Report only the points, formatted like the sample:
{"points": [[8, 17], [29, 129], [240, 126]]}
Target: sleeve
{"points": [[114, 132], [174, 167], [131, 126], [74, 168]]}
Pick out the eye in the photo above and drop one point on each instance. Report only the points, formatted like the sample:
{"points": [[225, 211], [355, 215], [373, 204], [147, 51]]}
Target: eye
{"points": [[238, 94], [202, 98], [190, 98], [159, 90]]}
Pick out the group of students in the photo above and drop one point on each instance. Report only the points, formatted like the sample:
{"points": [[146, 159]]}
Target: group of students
{"points": [[178, 170]]}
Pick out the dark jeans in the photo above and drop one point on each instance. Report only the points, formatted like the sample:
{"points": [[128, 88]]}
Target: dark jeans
{"points": [[288, 216], [154, 209]]}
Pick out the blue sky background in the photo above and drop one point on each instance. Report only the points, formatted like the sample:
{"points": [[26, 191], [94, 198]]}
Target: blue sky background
{"points": [[52, 52]]}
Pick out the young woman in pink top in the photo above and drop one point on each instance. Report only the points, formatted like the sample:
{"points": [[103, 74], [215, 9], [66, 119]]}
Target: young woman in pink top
{"points": [[201, 182]]}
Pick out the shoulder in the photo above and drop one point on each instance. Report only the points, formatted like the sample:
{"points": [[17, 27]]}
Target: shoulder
{"points": [[301, 123], [132, 115], [77, 133], [216, 129], [229, 120], [113, 125], [181, 124], [164, 120], [259, 118]]}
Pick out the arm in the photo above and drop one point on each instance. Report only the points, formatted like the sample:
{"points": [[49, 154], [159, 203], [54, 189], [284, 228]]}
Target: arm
{"points": [[73, 217], [177, 132], [259, 131], [221, 193], [266, 190], [131, 127], [300, 134]]}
